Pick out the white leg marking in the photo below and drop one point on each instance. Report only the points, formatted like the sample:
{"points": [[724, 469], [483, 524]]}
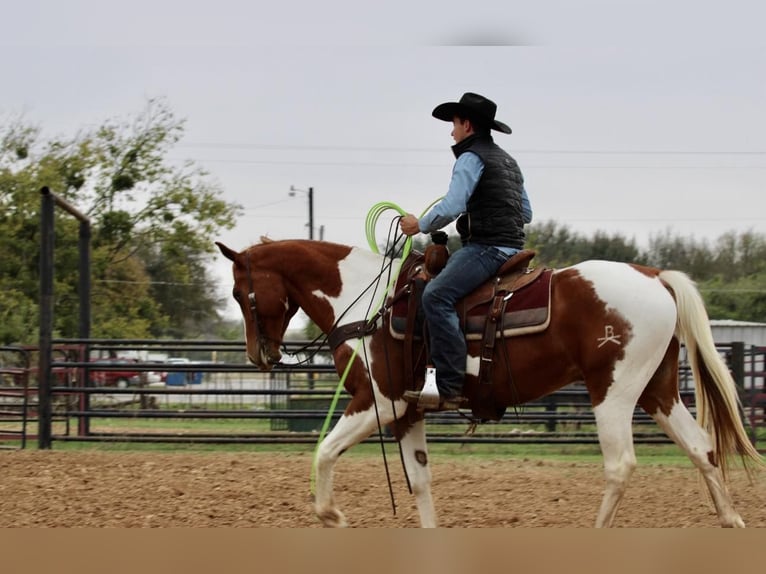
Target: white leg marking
{"points": [[348, 431], [687, 434], [614, 420], [415, 454], [615, 434]]}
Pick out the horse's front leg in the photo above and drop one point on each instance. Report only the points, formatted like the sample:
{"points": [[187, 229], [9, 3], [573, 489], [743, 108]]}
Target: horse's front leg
{"points": [[350, 430], [415, 454]]}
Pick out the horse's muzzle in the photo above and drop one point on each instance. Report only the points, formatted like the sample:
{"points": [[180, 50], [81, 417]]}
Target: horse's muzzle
{"points": [[265, 359]]}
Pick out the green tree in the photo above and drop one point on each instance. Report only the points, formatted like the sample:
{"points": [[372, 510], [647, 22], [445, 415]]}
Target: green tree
{"points": [[672, 251], [153, 223], [613, 248], [742, 255], [558, 246], [743, 299]]}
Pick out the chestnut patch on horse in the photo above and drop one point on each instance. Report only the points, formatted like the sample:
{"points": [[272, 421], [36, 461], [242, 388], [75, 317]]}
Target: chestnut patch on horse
{"points": [[648, 271], [661, 393], [601, 340]]}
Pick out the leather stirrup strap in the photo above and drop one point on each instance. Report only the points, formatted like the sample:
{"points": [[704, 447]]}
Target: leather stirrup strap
{"points": [[415, 288], [490, 333]]}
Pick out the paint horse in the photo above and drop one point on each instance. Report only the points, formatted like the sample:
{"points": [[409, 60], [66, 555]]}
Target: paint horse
{"points": [[616, 327]]}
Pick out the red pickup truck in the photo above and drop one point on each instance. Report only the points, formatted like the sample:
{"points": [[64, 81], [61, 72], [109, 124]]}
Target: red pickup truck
{"points": [[121, 377]]}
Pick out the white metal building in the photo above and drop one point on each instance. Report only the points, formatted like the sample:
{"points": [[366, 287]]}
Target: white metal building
{"points": [[729, 331]]}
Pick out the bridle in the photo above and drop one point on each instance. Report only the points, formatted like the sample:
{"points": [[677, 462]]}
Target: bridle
{"points": [[255, 319], [254, 316]]}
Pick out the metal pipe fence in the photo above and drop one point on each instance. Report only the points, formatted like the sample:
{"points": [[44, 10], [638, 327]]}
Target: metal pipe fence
{"points": [[203, 392]]}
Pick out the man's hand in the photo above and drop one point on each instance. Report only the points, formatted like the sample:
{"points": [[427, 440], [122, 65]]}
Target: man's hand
{"points": [[409, 224]]}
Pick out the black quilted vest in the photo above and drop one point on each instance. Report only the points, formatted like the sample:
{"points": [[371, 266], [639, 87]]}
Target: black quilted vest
{"points": [[494, 215]]}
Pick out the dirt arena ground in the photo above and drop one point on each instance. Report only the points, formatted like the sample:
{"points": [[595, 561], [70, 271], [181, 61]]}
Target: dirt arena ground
{"points": [[151, 489]]}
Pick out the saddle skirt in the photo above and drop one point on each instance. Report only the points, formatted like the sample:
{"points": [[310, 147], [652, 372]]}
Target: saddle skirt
{"points": [[515, 302]]}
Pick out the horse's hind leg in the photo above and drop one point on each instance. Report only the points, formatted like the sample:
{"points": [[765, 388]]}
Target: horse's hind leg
{"points": [[349, 430], [686, 433], [615, 435], [662, 401]]}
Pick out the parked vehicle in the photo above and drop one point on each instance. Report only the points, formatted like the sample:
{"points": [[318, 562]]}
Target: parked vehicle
{"points": [[121, 377], [181, 378]]}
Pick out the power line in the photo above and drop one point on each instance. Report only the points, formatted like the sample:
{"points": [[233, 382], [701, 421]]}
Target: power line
{"points": [[400, 165], [568, 219], [292, 147], [349, 161]]}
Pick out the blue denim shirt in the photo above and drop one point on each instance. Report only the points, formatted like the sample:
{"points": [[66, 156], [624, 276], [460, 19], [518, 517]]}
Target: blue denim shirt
{"points": [[465, 175]]}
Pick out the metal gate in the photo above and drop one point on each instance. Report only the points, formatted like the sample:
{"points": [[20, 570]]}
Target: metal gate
{"points": [[14, 397]]}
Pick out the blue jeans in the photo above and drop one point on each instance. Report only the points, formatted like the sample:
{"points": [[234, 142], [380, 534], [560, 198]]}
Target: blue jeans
{"points": [[466, 269]]}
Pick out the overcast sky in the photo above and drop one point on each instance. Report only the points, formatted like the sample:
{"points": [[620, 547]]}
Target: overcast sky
{"points": [[628, 116]]}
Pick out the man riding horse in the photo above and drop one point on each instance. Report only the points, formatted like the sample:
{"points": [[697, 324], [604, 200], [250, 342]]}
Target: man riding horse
{"points": [[487, 197]]}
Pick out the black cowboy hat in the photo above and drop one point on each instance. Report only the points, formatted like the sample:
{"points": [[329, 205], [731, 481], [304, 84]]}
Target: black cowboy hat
{"points": [[472, 106]]}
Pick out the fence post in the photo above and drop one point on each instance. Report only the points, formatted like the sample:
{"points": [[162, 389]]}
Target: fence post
{"points": [[84, 326], [551, 408], [46, 320], [737, 365], [47, 233]]}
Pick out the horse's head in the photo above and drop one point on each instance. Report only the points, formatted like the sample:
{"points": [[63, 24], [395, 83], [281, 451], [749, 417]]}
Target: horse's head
{"points": [[266, 307]]}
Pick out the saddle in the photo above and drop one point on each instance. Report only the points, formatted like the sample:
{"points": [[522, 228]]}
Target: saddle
{"points": [[516, 301]]}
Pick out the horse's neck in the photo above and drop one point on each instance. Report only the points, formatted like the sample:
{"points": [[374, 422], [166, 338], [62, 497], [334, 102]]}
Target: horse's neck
{"points": [[365, 277], [355, 293]]}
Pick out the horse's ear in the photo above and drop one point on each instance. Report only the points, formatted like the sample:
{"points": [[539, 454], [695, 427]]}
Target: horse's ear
{"points": [[227, 252]]}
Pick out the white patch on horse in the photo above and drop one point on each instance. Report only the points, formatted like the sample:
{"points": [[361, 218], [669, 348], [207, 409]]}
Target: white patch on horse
{"points": [[609, 279], [650, 312], [609, 337], [357, 272]]}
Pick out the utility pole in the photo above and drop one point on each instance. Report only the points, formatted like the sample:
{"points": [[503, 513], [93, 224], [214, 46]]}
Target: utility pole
{"points": [[310, 376], [311, 213], [310, 194]]}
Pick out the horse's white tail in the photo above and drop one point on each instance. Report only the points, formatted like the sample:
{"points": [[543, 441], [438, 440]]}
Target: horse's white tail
{"points": [[718, 404]]}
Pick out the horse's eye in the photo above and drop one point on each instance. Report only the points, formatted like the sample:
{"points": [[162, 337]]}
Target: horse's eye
{"points": [[236, 295]]}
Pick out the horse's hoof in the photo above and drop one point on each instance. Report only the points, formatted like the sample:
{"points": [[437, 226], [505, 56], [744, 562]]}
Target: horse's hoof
{"points": [[332, 518], [735, 522]]}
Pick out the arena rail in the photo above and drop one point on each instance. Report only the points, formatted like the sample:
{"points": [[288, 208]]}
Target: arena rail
{"points": [[229, 401]]}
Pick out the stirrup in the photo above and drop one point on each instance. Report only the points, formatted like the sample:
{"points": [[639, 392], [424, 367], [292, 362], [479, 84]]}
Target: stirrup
{"points": [[429, 395]]}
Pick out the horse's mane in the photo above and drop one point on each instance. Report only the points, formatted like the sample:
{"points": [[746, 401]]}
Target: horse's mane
{"points": [[300, 248]]}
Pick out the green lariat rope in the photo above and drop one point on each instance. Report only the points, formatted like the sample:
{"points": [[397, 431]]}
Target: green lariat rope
{"points": [[370, 223]]}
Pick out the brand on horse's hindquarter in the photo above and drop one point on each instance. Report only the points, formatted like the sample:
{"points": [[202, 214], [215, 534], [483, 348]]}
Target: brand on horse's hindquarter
{"points": [[609, 337]]}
